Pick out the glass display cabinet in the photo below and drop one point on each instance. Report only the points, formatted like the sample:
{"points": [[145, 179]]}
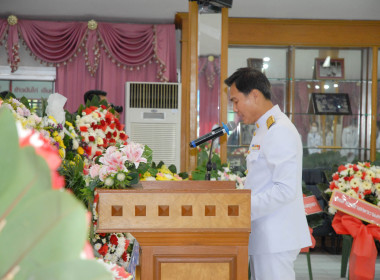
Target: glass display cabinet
{"points": [[326, 92]]}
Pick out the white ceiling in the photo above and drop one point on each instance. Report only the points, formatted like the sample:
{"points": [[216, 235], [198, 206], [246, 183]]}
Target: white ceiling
{"points": [[163, 11]]}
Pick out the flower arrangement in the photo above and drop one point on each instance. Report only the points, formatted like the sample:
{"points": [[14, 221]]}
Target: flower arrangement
{"points": [[120, 166], [161, 173], [113, 247], [360, 180], [220, 171], [23, 114], [98, 129], [227, 175]]}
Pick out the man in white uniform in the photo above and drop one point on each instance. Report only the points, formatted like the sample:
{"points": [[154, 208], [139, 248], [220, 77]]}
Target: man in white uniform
{"points": [[278, 223]]}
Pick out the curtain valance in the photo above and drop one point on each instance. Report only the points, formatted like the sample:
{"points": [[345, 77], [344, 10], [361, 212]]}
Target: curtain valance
{"points": [[129, 46]]}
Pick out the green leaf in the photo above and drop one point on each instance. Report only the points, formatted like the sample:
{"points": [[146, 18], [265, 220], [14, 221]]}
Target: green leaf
{"points": [[9, 148], [40, 226], [184, 175], [173, 169], [73, 270], [160, 164], [25, 101]]}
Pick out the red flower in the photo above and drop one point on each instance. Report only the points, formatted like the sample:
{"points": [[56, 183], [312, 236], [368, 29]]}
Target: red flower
{"points": [[363, 176], [355, 168], [123, 136], [91, 138], [348, 178], [125, 256], [114, 134], [367, 192], [88, 150], [341, 168], [126, 244], [102, 122], [103, 250], [333, 186], [50, 155], [336, 177], [114, 240], [96, 198], [102, 234], [356, 189], [375, 180], [367, 164], [103, 107], [112, 125], [83, 128], [119, 126], [98, 153]]}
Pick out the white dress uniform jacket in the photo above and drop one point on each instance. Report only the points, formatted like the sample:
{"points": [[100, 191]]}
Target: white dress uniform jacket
{"points": [[278, 221]]}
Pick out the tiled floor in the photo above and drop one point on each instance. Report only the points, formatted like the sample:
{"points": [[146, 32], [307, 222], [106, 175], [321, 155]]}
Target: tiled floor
{"points": [[324, 267]]}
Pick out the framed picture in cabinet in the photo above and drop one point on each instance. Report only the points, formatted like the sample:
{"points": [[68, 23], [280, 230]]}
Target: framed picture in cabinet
{"points": [[330, 104], [329, 69]]}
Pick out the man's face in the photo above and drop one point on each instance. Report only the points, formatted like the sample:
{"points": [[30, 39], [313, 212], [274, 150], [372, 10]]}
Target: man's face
{"points": [[244, 105]]}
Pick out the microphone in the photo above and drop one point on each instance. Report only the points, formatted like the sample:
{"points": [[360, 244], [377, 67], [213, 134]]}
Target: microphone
{"points": [[215, 133]]}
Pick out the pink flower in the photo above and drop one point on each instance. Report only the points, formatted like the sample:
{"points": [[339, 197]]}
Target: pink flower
{"points": [[94, 170], [114, 159], [133, 152]]}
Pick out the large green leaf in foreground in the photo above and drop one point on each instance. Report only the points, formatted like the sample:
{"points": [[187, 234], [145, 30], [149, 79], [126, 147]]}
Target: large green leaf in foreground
{"points": [[42, 231]]}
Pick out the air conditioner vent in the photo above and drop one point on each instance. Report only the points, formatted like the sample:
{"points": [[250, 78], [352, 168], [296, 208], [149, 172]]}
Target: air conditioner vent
{"points": [[153, 95], [153, 118]]}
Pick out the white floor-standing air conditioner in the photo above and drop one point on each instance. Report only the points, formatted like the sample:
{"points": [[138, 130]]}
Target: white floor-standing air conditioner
{"points": [[153, 118]]}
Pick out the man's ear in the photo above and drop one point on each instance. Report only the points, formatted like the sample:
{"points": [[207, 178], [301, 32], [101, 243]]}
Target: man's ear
{"points": [[255, 95]]}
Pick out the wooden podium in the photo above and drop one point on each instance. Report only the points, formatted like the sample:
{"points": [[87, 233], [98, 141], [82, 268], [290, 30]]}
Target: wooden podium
{"points": [[186, 229]]}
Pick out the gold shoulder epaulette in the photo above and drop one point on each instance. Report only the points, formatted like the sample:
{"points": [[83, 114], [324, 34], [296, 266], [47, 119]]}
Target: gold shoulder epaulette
{"points": [[270, 121]]}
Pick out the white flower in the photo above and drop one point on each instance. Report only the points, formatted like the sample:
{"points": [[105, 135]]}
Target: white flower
{"points": [[99, 141], [367, 185], [108, 182], [120, 176], [97, 246], [355, 182], [332, 210], [108, 256], [352, 193]]}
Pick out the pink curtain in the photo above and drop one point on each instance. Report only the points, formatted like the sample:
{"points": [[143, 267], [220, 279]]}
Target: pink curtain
{"points": [[104, 57], [209, 90], [3, 27]]}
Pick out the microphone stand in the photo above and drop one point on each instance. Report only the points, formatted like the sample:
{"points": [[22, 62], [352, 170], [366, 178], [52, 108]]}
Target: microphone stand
{"points": [[209, 163]]}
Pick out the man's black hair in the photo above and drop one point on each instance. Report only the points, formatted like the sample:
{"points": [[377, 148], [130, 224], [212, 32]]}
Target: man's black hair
{"points": [[246, 79], [94, 92], [4, 94]]}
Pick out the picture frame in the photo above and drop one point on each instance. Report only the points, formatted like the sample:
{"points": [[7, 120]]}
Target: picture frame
{"points": [[246, 134], [333, 72], [255, 63], [330, 104]]}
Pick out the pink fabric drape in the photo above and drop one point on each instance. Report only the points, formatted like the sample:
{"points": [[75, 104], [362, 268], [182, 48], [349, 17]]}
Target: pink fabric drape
{"points": [[54, 42], [129, 44], [104, 58], [3, 27], [209, 90]]}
